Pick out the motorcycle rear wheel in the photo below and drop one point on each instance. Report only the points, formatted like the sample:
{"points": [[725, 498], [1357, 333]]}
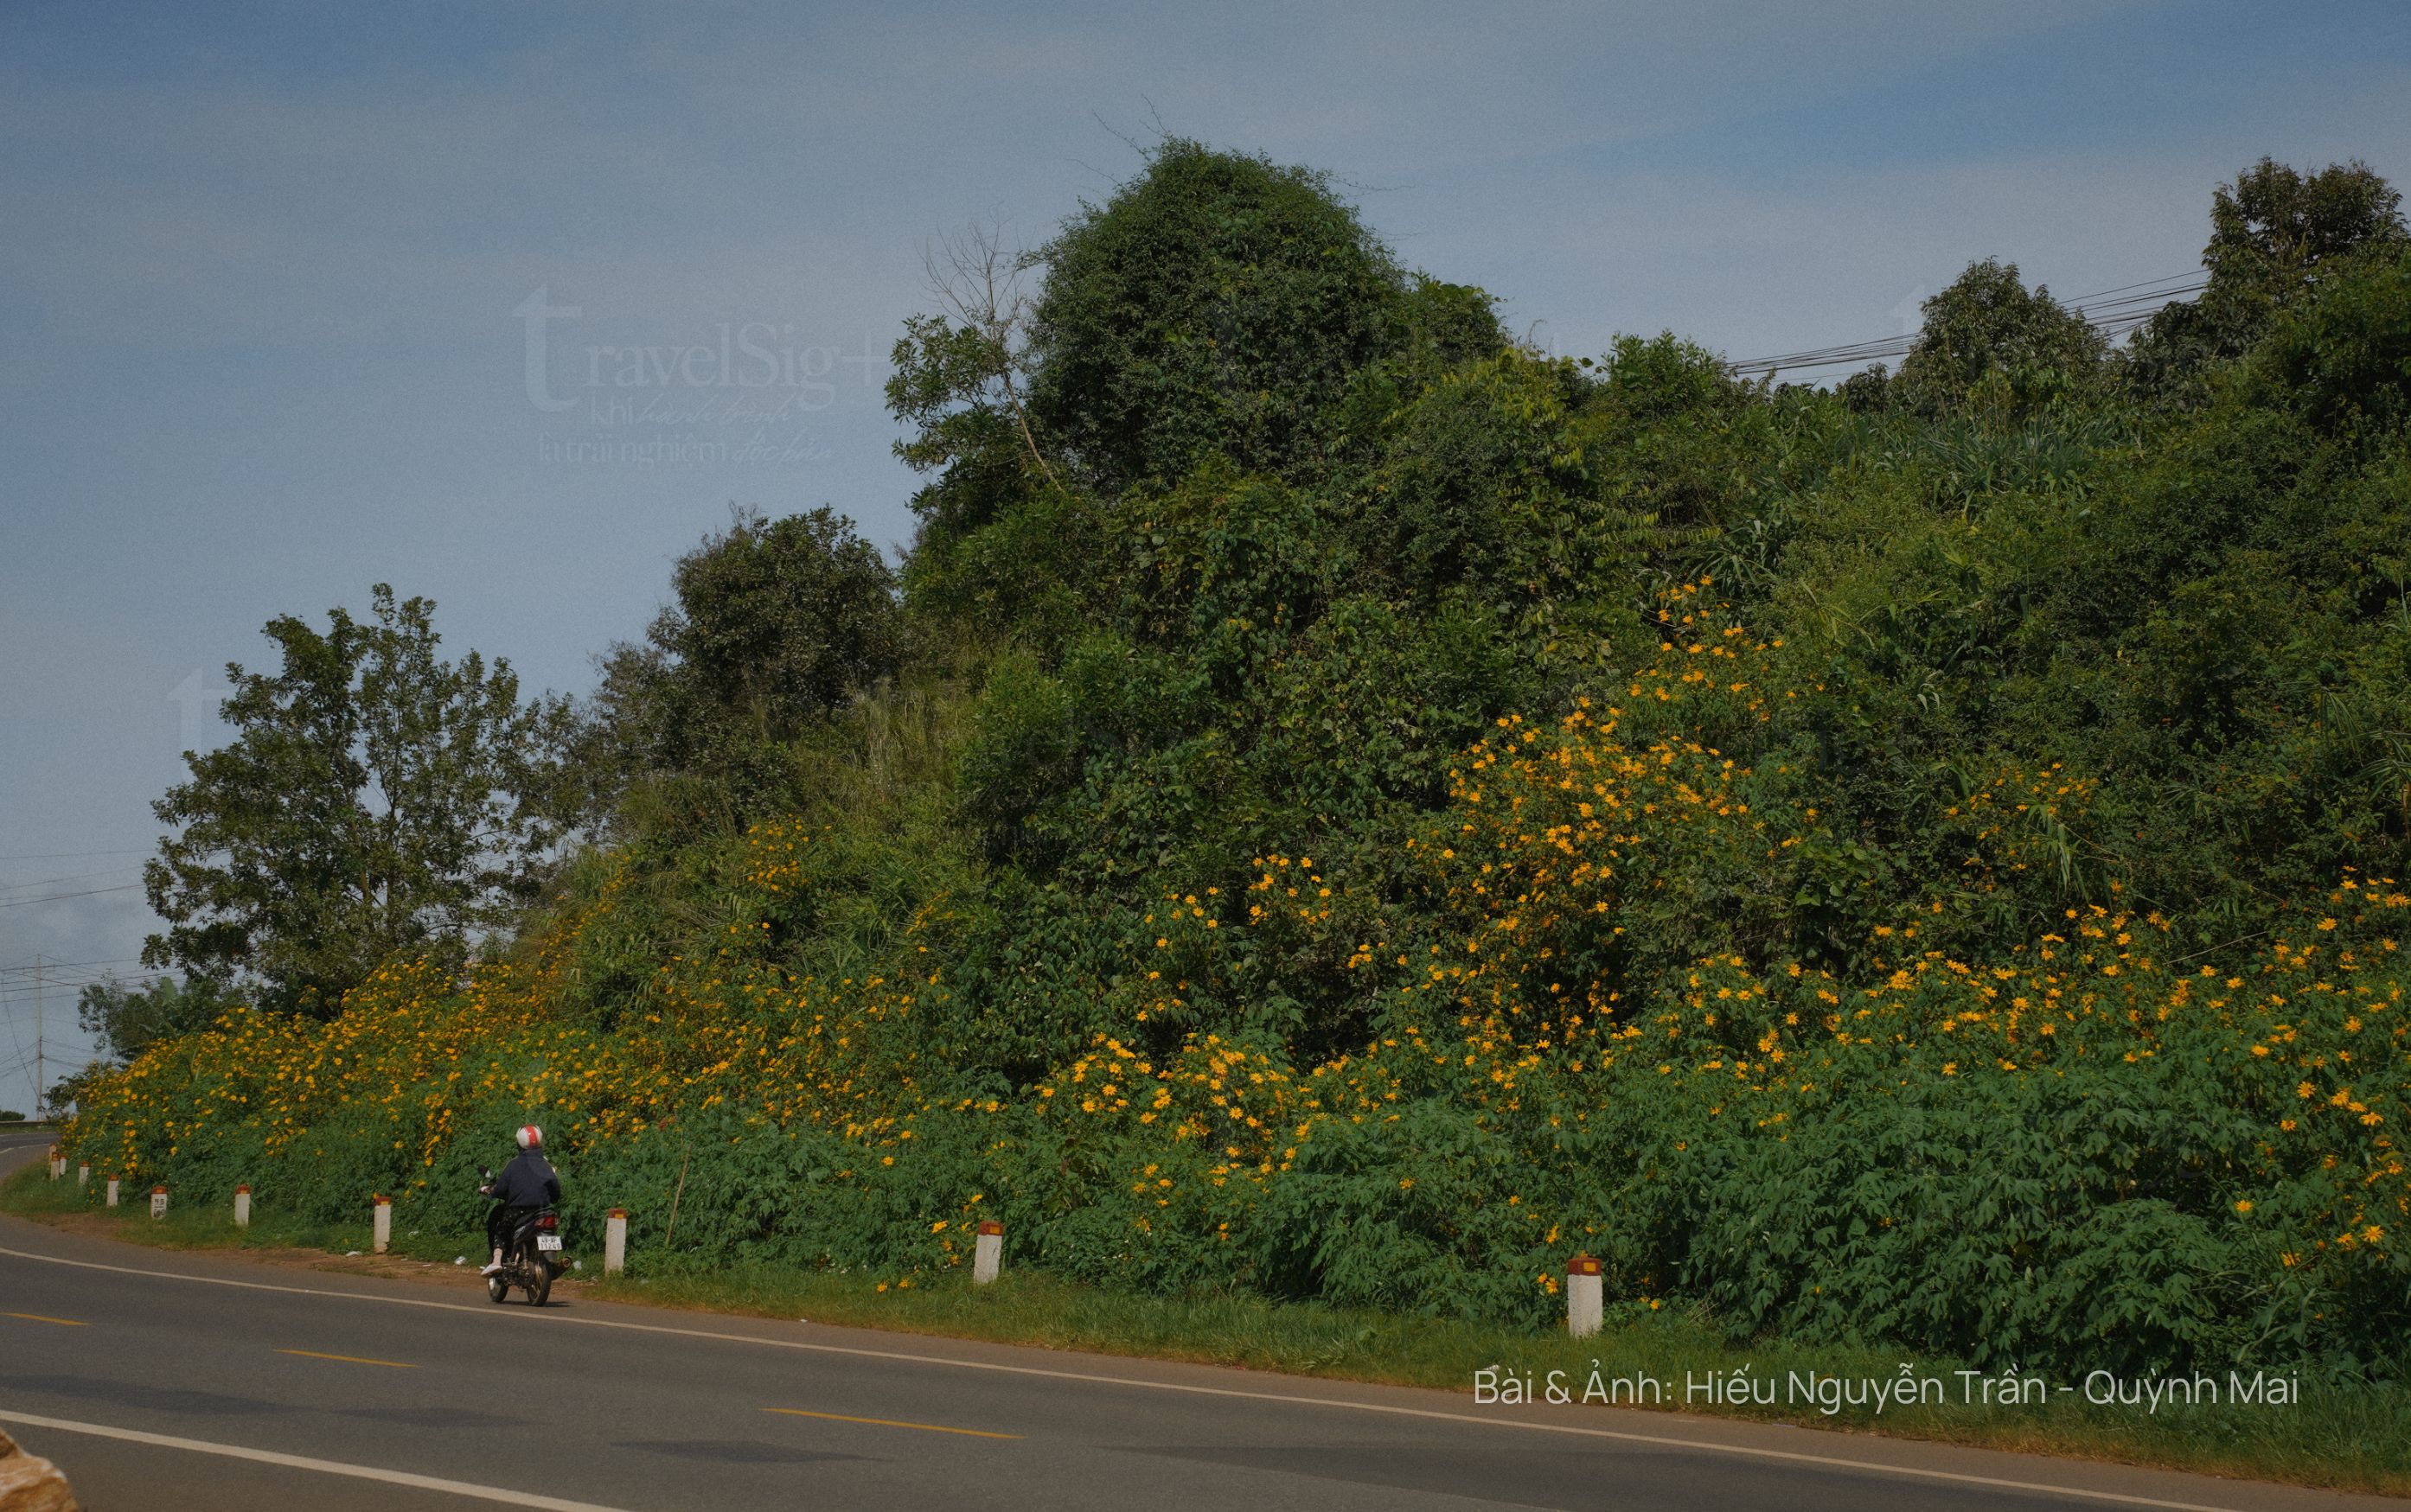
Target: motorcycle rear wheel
{"points": [[538, 1275]]}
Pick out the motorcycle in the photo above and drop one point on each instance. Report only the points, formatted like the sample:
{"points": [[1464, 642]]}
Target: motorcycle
{"points": [[531, 1257]]}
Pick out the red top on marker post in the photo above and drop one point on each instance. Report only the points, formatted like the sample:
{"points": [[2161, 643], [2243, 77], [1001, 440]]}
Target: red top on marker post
{"points": [[1582, 1265], [989, 1226]]}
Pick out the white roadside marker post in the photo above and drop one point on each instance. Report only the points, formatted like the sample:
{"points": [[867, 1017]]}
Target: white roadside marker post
{"points": [[384, 1224], [988, 1252], [158, 1201], [112, 1191], [1585, 1306], [242, 1206], [83, 1173], [58, 1163], [615, 1241]]}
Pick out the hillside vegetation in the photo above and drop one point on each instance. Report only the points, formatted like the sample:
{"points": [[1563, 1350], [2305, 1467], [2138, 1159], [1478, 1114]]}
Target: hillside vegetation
{"points": [[1340, 805]]}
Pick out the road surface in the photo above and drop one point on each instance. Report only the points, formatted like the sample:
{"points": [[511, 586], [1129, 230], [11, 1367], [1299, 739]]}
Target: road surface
{"points": [[168, 1382]]}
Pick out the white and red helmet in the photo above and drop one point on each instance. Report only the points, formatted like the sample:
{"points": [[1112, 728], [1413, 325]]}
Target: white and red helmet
{"points": [[530, 1136]]}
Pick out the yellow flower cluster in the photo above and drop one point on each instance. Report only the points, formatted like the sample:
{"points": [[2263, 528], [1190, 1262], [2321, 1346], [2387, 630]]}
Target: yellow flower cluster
{"points": [[1518, 1008]]}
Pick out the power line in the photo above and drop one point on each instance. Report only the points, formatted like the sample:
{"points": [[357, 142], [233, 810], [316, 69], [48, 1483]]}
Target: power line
{"points": [[23, 1067], [24, 993], [89, 892], [25, 1062], [72, 856], [53, 1033], [2194, 275], [16, 1039], [56, 1040], [78, 877], [49, 966], [13, 1014], [2117, 318]]}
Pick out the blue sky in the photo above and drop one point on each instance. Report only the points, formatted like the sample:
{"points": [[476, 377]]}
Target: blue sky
{"points": [[261, 266]]}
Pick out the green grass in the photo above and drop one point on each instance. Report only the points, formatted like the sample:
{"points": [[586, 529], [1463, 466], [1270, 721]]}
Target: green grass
{"points": [[28, 1194], [2340, 1436]]}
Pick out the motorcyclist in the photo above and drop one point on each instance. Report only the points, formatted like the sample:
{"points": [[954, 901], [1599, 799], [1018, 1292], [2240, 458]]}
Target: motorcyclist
{"points": [[527, 1184]]}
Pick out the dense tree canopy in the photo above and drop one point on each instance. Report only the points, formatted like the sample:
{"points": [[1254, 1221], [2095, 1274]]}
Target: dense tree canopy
{"points": [[1339, 803], [775, 623], [375, 798], [2276, 237], [1988, 328], [1240, 533], [1218, 305], [123, 1021]]}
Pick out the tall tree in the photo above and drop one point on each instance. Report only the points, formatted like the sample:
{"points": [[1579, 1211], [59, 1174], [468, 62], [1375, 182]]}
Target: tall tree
{"points": [[1219, 303], [375, 798], [1217, 309], [775, 623], [1988, 325], [961, 373], [2276, 237]]}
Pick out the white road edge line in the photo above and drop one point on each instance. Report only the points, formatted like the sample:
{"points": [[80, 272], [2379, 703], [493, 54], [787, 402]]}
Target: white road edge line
{"points": [[1654, 1440], [301, 1461]]}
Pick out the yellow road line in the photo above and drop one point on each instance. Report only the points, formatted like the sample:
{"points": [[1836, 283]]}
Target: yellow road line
{"points": [[1679, 1443], [890, 1423], [348, 1360], [36, 1318]]}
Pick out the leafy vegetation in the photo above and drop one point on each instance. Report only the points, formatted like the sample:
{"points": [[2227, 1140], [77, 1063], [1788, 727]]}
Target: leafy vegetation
{"points": [[774, 623], [1344, 807], [2344, 1435], [376, 798], [123, 1021]]}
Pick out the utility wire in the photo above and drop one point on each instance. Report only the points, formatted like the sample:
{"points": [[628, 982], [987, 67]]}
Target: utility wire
{"points": [[72, 856], [2114, 318], [26, 993], [19, 989], [16, 991], [83, 967], [2193, 276], [79, 876], [89, 892], [26, 1059]]}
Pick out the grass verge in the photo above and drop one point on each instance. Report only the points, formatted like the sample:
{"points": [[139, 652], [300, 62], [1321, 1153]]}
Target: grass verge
{"points": [[2342, 1436]]}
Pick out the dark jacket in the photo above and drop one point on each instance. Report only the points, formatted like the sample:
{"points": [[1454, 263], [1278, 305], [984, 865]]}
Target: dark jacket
{"points": [[527, 1182]]}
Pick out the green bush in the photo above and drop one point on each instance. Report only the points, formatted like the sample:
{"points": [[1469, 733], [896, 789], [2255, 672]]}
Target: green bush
{"points": [[1351, 808]]}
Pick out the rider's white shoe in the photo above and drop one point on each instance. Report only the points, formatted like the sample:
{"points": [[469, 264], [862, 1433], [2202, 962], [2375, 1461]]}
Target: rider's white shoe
{"points": [[492, 1270]]}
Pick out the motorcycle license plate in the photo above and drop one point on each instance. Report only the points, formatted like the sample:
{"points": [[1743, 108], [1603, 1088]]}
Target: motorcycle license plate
{"points": [[548, 1240]]}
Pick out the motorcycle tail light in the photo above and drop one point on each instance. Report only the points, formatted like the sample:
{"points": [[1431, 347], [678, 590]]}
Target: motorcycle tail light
{"points": [[547, 1221]]}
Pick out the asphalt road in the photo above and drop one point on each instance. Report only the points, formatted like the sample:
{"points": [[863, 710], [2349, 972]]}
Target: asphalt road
{"points": [[165, 1381]]}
